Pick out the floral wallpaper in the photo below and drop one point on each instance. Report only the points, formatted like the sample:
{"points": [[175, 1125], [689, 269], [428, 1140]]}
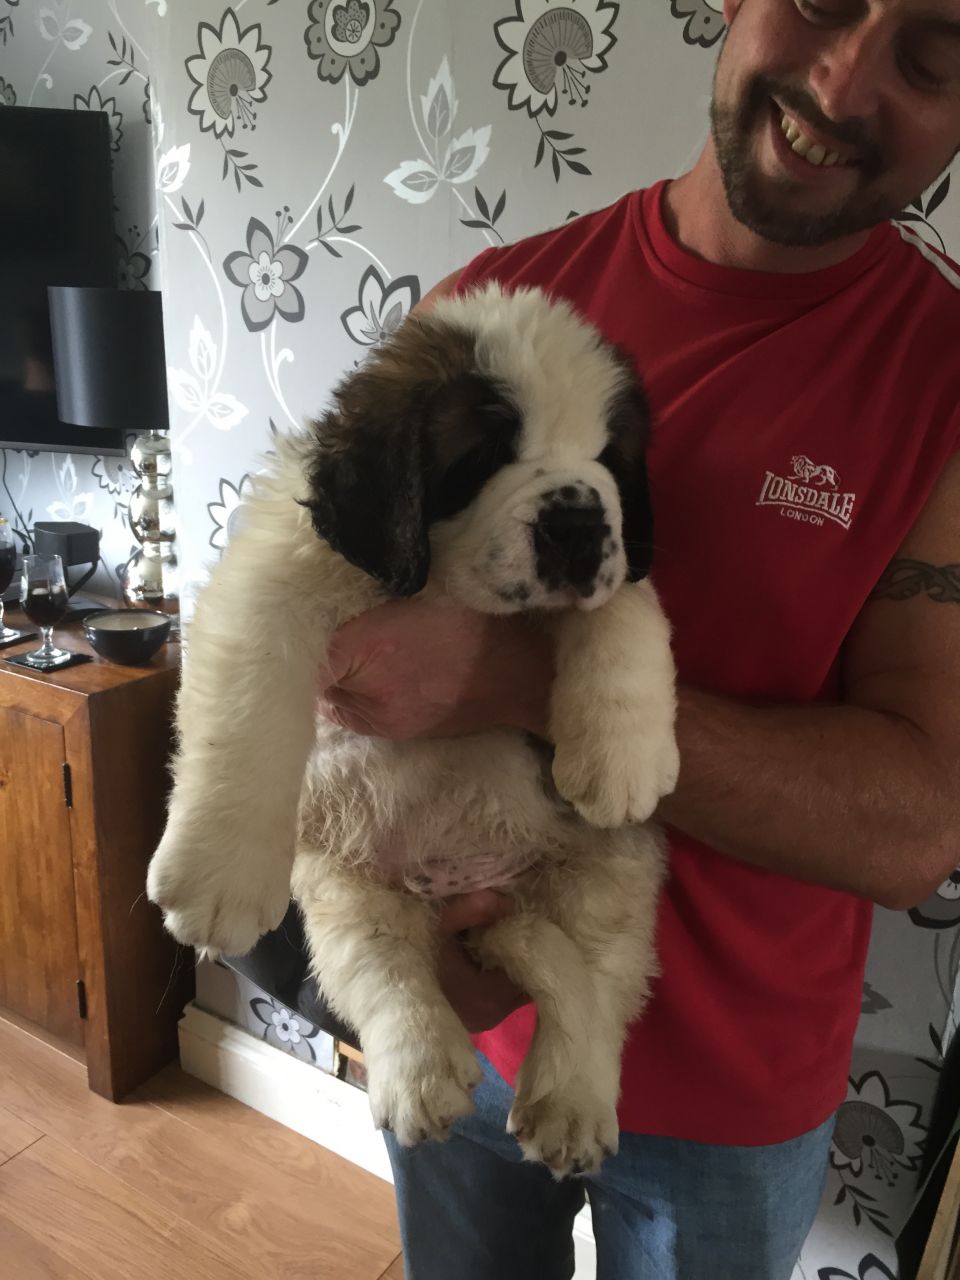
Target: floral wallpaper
{"points": [[294, 177], [90, 58]]}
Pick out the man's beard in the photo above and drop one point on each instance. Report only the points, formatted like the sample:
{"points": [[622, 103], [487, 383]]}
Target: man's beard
{"points": [[767, 205]]}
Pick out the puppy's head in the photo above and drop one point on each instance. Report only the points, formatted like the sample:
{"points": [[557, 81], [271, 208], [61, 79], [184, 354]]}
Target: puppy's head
{"points": [[497, 444]]}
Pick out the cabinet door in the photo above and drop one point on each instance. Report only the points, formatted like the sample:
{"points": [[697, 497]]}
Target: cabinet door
{"points": [[38, 927]]}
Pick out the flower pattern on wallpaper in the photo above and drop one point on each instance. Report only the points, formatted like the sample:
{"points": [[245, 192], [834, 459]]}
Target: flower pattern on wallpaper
{"points": [[266, 273], [942, 909], [552, 50], [230, 73], [703, 22], [8, 95], [381, 307], [452, 159], [285, 1029], [347, 35], [94, 101], [225, 513], [877, 1138], [116, 475], [231, 77], [133, 266]]}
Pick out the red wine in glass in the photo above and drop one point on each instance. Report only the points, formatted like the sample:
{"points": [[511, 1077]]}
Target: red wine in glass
{"points": [[44, 599], [8, 563], [46, 605]]}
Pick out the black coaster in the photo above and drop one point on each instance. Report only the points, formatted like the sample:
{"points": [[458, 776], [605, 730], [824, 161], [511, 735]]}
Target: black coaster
{"points": [[57, 664], [18, 637]]}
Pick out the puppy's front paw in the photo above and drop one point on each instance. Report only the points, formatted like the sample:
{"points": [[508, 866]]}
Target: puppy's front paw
{"points": [[417, 1089], [219, 906], [571, 1130], [614, 768]]}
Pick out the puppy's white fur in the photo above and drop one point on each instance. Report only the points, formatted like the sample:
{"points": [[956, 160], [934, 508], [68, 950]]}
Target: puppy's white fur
{"points": [[265, 793]]}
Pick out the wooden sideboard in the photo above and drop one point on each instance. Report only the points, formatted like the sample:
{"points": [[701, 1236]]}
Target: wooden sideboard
{"points": [[83, 783]]}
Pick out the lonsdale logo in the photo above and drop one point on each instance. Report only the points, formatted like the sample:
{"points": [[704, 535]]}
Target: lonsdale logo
{"points": [[812, 494]]}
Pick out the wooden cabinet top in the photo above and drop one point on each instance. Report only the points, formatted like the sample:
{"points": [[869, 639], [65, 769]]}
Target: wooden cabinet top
{"points": [[87, 680]]}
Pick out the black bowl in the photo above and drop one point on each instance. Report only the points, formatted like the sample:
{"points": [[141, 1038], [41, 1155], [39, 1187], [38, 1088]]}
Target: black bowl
{"points": [[127, 636]]}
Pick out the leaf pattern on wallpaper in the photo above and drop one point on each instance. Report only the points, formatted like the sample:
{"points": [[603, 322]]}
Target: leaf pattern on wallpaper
{"points": [[920, 212], [231, 76], [347, 35], [870, 1268], [172, 168], [196, 391], [703, 22], [454, 159], [325, 235], [56, 26], [551, 52], [7, 32]]}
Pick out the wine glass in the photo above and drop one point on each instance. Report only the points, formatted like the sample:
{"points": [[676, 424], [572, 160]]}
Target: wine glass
{"points": [[8, 562], [44, 599]]}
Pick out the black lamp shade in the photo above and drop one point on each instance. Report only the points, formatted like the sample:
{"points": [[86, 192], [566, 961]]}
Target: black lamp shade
{"points": [[108, 357]]}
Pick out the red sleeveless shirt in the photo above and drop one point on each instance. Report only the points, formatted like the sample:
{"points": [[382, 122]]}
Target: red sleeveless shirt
{"points": [[800, 422]]}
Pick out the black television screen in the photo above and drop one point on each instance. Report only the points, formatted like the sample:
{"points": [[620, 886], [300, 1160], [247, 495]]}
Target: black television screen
{"points": [[56, 228]]}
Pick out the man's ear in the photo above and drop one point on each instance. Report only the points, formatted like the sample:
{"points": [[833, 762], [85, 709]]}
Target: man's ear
{"points": [[366, 495], [625, 459]]}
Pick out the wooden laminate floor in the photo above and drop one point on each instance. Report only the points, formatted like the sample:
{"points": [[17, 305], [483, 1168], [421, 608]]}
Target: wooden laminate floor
{"points": [[177, 1183]]}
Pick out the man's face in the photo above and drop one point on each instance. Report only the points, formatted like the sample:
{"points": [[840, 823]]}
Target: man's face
{"points": [[830, 117]]}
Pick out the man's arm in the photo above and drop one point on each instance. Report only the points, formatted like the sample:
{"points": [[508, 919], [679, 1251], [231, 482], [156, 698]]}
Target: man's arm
{"points": [[864, 796]]}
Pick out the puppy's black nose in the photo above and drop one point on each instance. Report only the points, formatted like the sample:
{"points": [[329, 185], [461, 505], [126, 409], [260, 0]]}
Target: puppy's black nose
{"points": [[568, 540]]}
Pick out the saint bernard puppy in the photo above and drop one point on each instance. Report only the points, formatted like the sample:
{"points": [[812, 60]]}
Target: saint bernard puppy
{"points": [[490, 453]]}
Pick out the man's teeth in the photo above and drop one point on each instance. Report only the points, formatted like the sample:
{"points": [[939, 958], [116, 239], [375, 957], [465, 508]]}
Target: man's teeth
{"points": [[811, 151]]}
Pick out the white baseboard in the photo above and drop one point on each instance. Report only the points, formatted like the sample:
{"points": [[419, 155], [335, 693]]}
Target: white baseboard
{"points": [[326, 1110]]}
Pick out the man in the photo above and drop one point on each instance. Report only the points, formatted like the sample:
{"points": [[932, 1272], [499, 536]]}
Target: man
{"points": [[799, 355]]}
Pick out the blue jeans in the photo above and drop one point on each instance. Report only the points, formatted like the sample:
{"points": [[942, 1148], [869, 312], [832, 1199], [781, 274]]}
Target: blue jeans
{"points": [[663, 1209]]}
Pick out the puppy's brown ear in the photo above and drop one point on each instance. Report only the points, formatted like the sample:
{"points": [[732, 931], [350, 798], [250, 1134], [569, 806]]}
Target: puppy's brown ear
{"points": [[366, 494], [625, 458]]}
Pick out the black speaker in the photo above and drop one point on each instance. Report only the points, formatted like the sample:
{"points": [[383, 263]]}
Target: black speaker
{"points": [[75, 544]]}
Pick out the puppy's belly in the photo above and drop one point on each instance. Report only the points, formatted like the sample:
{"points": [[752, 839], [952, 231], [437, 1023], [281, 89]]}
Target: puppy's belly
{"points": [[443, 873], [438, 817]]}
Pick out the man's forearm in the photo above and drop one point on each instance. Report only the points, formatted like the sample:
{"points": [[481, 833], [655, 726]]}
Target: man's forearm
{"points": [[836, 795]]}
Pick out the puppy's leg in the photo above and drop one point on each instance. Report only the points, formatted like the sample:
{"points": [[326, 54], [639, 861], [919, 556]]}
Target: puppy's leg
{"points": [[613, 708], [588, 968], [245, 721], [374, 953]]}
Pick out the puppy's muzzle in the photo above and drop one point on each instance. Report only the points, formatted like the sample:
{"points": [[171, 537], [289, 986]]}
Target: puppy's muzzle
{"points": [[569, 539]]}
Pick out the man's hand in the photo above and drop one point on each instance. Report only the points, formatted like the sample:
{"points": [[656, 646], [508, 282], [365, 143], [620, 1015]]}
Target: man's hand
{"points": [[419, 668], [481, 998]]}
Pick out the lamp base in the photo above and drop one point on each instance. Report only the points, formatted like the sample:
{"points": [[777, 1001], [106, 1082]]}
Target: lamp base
{"points": [[151, 579]]}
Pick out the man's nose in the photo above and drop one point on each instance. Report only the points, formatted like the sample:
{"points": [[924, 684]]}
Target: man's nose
{"points": [[848, 75]]}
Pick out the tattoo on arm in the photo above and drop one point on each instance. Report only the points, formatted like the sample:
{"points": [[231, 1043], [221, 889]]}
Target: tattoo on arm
{"points": [[903, 579]]}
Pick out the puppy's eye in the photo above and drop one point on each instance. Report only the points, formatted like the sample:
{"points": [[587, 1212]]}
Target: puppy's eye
{"points": [[502, 412]]}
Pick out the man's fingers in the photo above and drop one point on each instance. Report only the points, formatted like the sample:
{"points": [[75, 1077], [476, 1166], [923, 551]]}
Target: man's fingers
{"points": [[473, 911]]}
